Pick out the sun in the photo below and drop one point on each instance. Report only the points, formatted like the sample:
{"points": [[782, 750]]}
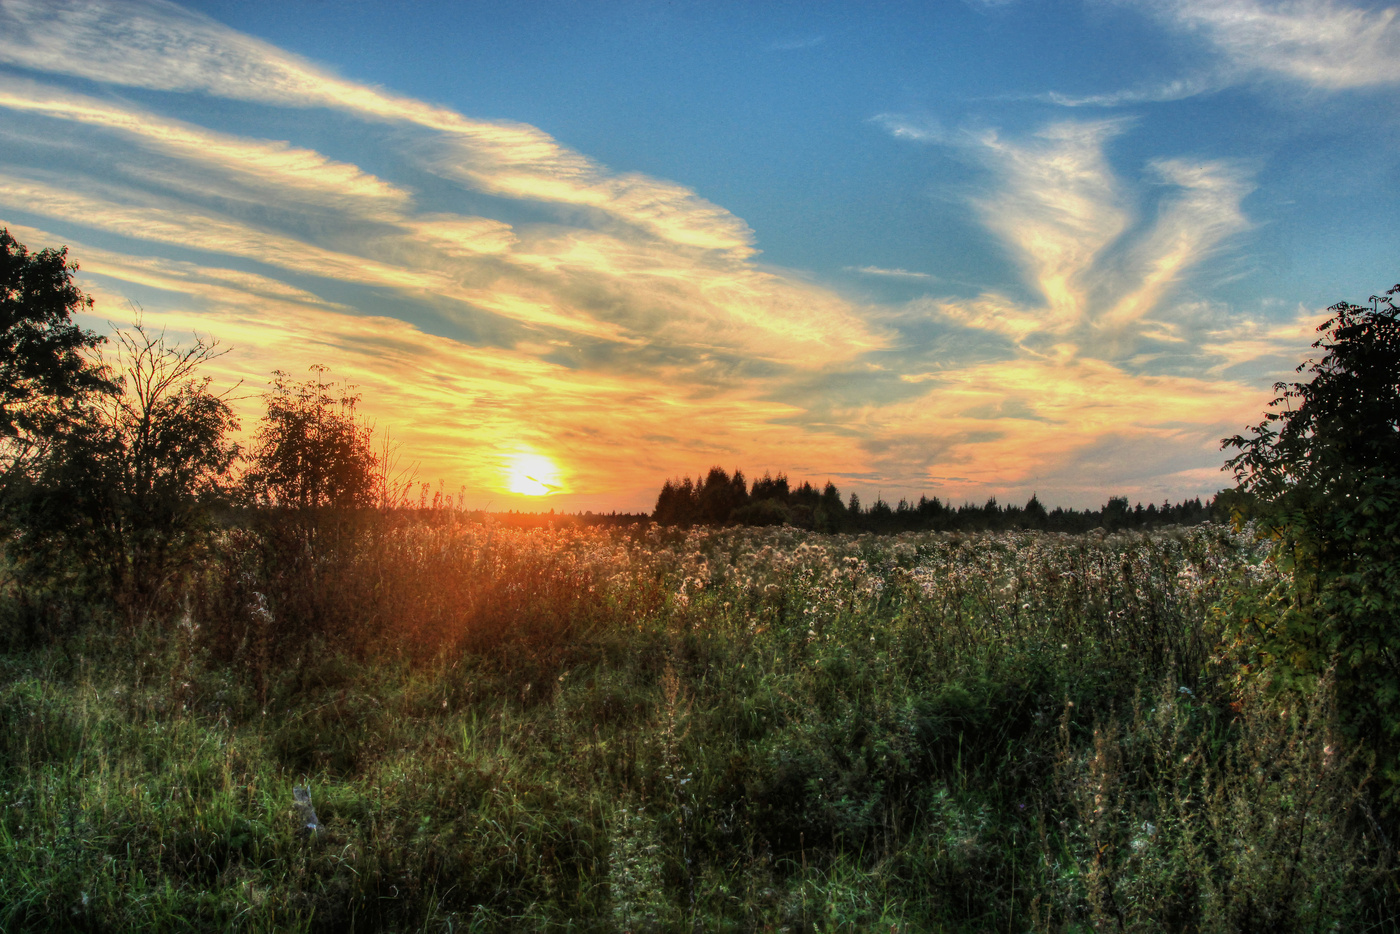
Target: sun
{"points": [[532, 475]]}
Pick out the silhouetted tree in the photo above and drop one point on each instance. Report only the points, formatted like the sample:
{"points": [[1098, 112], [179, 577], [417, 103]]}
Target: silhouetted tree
{"points": [[879, 517], [770, 487], [775, 501], [46, 372], [1116, 514], [312, 450], [120, 499], [830, 514], [1321, 472], [1035, 515], [762, 512], [719, 495], [677, 504]]}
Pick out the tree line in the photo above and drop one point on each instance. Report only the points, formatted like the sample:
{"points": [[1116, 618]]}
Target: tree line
{"points": [[721, 498]]}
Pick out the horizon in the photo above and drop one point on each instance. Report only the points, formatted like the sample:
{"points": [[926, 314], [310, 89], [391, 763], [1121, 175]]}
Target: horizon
{"points": [[567, 252]]}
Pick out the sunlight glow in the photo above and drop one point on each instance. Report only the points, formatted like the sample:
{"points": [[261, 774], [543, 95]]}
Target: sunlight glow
{"points": [[532, 475]]}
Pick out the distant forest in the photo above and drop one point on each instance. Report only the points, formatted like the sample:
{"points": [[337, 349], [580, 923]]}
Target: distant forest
{"points": [[724, 499]]}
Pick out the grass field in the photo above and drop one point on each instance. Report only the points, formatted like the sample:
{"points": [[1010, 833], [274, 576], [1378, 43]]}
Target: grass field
{"points": [[631, 730]]}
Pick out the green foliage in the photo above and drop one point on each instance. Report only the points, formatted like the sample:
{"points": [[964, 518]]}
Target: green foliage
{"points": [[117, 505], [312, 450], [1323, 476]]}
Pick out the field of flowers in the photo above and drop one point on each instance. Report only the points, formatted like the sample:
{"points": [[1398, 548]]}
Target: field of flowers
{"points": [[655, 730]]}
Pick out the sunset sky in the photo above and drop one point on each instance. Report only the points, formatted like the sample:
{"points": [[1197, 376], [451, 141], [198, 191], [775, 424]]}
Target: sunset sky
{"points": [[956, 248]]}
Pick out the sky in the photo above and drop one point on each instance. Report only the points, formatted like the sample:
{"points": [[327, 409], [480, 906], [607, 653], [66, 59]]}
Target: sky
{"points": [[963, 249]]}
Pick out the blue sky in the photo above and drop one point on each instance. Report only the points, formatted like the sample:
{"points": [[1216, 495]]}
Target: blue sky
{"points": [[962, 249]]}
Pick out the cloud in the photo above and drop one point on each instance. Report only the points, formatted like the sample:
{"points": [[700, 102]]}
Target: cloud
{"points": [[299, 173], [891, 273], [626, 307], [917, 129], [451, 404], [1004, 424], [1176, 90], [1071, 224], [1058, 206], [1322, 43], [684, 259], [143, 216], [796, 44], [1202, 211]]}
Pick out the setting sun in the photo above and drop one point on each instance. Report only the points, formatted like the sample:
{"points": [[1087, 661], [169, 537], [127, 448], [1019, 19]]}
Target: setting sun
{"points": [[532, 475]]}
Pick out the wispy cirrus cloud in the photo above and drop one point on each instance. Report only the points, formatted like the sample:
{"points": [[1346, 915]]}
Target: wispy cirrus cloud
{"points": [[890, 273], [300, 175], [158, 45], [1200, 212], [1175, 90], [629, 298], [1322, 43], [1058, 206], [1082, 383], [919, 129]]}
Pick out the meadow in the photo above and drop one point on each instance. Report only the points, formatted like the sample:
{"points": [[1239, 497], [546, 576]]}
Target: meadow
{"points": [[641, 729]]}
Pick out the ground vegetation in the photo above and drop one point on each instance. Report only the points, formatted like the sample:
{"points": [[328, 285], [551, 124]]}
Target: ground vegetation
{"points": [[595, 729]]}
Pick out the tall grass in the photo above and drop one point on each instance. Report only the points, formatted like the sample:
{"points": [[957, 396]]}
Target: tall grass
{"points": [[590, 729]]}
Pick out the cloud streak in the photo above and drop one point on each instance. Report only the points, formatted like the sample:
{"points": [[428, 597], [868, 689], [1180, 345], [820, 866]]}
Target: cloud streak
{"points": [[302, 174], [1324, 45], [890, 273], [1179, 89]]}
